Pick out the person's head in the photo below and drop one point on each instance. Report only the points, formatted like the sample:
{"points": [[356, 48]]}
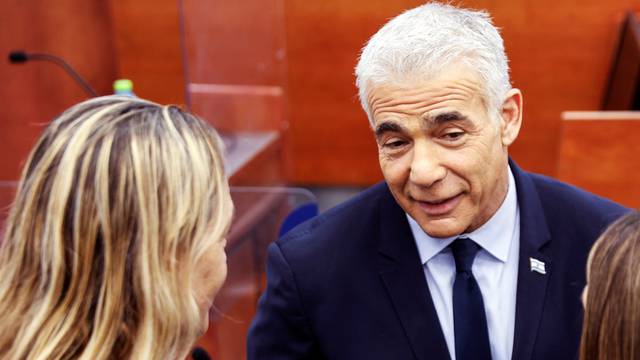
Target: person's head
{"points": [[434, 82], [611, 324], [114, 247]]}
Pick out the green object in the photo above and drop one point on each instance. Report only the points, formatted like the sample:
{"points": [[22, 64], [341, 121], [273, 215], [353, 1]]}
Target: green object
{"points": [[123, 87]]}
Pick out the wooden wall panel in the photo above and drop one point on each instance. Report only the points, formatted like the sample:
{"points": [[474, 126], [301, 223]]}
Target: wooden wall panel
{"points": [[560, 58], [148, 50], [600, 152], [33, 93]]}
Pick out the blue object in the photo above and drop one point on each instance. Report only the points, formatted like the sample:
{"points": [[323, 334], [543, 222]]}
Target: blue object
{"points": [[297, 216]]}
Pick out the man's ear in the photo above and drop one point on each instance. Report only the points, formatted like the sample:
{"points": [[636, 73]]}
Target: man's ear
{"points": [[511, 116]]}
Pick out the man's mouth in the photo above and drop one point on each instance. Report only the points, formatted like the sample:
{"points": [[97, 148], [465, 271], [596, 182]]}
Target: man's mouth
{"points": [[440, 207]]}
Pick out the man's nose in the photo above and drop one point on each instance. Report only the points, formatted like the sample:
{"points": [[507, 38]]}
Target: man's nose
{"points": [[426, 165]]}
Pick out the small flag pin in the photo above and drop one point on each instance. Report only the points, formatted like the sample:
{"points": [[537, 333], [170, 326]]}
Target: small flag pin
{"points": [[537, 266]]}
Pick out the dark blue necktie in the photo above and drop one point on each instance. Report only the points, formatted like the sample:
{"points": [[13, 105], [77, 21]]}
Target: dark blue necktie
{"points": [[469, 319]]}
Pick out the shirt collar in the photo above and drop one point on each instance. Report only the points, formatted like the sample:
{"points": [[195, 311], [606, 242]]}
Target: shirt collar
{"points": [[494, 236]]}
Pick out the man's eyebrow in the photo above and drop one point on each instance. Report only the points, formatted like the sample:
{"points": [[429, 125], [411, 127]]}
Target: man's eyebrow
{"points": [[445, 117], [386, 127]]}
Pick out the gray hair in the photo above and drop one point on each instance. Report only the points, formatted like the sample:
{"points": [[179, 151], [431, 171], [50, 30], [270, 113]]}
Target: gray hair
{"points": [[425, 40]]}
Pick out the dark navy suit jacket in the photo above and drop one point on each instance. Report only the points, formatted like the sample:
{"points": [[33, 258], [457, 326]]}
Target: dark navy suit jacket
{"points": [[349, 284]]}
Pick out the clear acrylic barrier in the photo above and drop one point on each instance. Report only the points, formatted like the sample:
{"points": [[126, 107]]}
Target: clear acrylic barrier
{"points": [[259, 214], [235, 63], [235, 74]]}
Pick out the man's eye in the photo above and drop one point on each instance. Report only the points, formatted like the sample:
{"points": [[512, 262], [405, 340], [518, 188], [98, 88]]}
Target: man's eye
{"points": [[454, 135], [394, 144]]}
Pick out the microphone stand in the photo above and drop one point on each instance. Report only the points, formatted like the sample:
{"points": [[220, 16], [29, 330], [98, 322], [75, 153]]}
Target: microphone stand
{"points": [[16, 57]]}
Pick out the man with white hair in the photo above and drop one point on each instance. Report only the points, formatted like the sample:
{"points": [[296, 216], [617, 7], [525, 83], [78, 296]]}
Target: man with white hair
{"points": [[459, 254]]}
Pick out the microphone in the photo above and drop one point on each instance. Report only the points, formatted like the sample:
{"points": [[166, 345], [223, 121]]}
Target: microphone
{"points": [[18, 57], [200, 354]]}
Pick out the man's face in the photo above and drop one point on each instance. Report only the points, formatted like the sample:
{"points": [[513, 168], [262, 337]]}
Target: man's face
{"points": [[443, 156]]}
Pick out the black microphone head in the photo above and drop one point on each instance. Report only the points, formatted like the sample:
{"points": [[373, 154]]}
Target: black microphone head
{"points": [[16, 57], [200, 354]]}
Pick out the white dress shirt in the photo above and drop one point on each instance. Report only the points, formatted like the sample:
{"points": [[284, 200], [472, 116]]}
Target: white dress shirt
{"points": [[495, 269]]}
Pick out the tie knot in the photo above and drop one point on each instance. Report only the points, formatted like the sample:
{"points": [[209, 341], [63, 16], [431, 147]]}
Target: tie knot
{"points": [[464, 252]]}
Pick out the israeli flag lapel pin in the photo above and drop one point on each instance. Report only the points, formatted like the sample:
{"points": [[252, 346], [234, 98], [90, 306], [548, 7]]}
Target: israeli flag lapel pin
{"points": [[537, 266]]}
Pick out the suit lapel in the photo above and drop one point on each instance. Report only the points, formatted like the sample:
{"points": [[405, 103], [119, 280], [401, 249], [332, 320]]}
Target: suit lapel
{"points": [[402, 274], [532, 285]]}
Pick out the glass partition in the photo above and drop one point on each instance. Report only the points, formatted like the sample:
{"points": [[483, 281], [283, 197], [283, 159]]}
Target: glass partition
{"points": [[259, 215], [235, 72]]}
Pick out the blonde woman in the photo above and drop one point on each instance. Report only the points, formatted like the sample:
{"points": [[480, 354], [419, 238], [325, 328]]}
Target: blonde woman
{"points": [[611, 326], [114, 247]]}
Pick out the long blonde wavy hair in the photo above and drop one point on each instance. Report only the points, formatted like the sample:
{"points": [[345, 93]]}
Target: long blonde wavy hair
{"points": [[118, 201], [611, 324]]}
